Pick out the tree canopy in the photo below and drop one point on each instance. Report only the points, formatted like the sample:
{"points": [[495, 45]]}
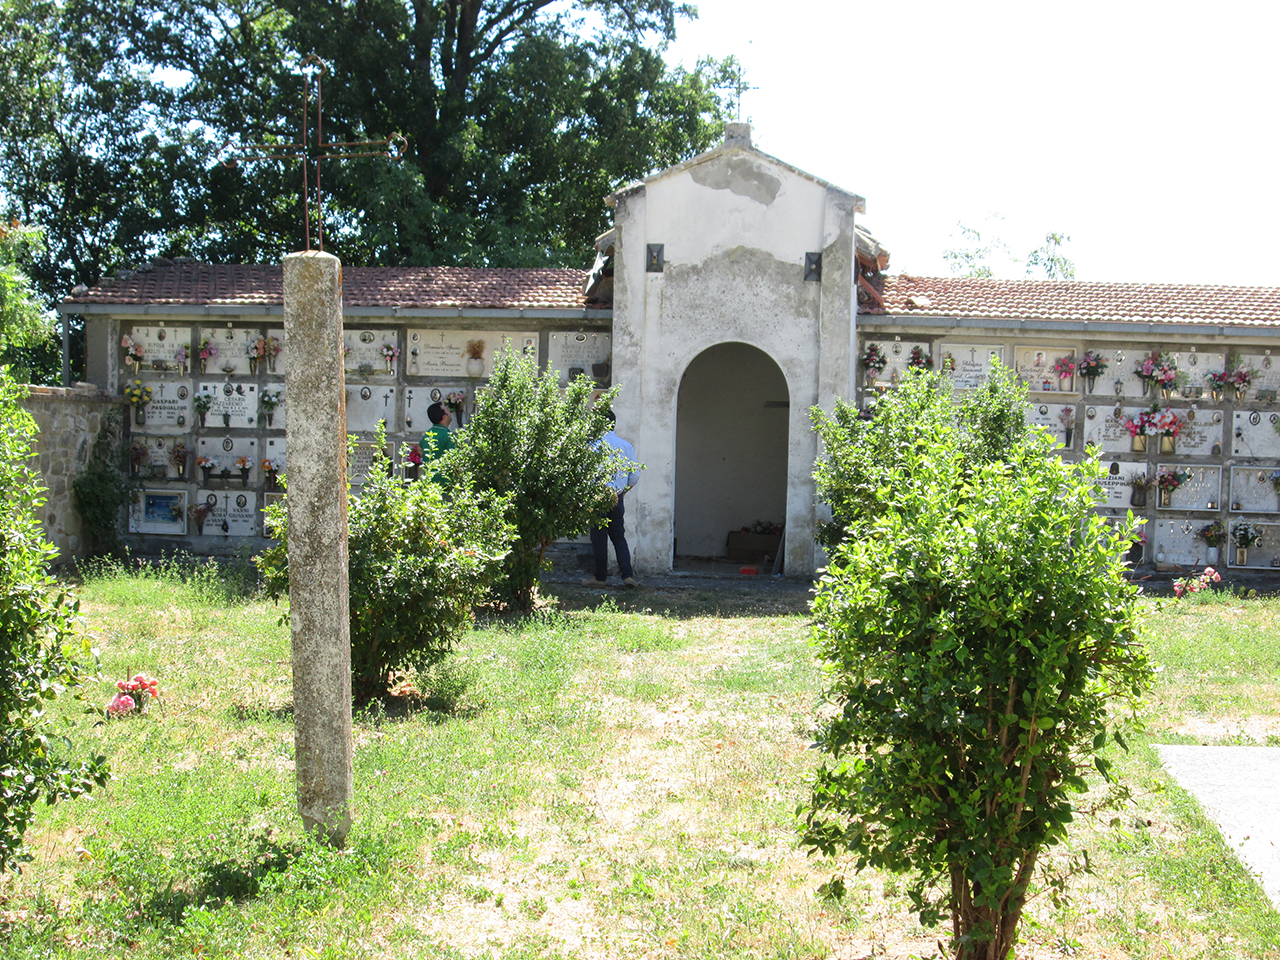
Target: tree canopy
{"points": [[519, 119]]}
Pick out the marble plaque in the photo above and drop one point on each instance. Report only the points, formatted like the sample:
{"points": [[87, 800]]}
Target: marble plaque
{"points": [[362, 461], [1202, 431], [239, 401], [230, 343], [1196, 367], [1252, 492], [1266, 372], [1049, 416], [159, 511], [969, 363], [273, 449], [1105, 430], [1202, 490], [418, 399], [160, 347], [1177, 538], [275, 419], [896, 352], [170, 408], [1254, 434], [235, 512], [157, 463], [1034, 366], [571, 353], [226, 452], [1115, 483], [1264, 554], [277, 365], [362, 351], [443, 353], [368, 404]]}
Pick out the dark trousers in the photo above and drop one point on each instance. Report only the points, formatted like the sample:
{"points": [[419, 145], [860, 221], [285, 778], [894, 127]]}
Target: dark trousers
{"points": [[612, 529]]}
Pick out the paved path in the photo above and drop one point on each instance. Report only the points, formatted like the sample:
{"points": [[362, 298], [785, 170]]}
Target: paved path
{"points": [[1239, 788]]}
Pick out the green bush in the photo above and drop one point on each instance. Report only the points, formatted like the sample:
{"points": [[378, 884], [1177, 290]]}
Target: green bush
{"points": [[418, 564], [979, 633], [539, 447], [101, 490], [40, 648]]}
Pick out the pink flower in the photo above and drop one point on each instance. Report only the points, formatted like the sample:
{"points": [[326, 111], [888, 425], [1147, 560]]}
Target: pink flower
{"points": [[1179, 589], [120, 685], [120, 703]]}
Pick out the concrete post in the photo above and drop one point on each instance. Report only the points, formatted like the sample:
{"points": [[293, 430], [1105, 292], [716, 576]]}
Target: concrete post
{"points": [[318, 599]]}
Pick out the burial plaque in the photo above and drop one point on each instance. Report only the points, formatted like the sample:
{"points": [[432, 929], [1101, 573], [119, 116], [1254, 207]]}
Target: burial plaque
{"points": [[170, 408], [1118, 494], [226, 452], [234, 512], [361, 461], [418, 399], [1202, 490], [1035, 365], [163, 348], [897, 353], [230, 346], [463, 353], [1104, 429], [1266, 553], [1252, 490], [363, 351], [1200, 434], [1266, 373], [571, 354], [1254, 434], [274, 419], [1177, 539], [159, 511], [370, 404], [234, 405], [969, 364]]}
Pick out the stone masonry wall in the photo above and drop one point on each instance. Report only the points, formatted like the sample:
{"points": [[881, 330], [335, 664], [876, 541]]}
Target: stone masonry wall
{"points": [[68, 420]]}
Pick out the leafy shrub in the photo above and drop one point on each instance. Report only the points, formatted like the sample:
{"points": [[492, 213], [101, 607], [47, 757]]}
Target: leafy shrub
{"points": [[539, 447], [40, 648], [977, 627], [102, 489], [418, 564]]}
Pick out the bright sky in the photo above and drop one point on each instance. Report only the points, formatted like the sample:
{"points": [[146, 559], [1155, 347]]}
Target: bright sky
{"points": [[1145, 131]]}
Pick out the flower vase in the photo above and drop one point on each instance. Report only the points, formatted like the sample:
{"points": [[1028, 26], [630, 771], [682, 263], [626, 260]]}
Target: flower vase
{"points": [[1166, 498], [140, 413], [271, 419], [1166, 392], [1216, 394], [1089, 382], [204, 366], [253, 366], [272, 480], [202, 416], [200, 526], [1211, 556], [1240, 395], [411, 471], [1168, 443], [207, 471], [475, 367], [1139, 444], [1138, 498], [1242, 557], [1068, 433], [244, 476], [388, 362], [271, 363], [1146, 388], [226, 419]]}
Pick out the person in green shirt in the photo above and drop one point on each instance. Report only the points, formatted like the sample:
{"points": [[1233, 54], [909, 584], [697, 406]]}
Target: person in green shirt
{"points": [[437, 441]]}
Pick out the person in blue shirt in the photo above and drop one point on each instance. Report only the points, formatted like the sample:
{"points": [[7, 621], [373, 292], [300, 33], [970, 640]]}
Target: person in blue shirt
{"points": [[611, 527]]}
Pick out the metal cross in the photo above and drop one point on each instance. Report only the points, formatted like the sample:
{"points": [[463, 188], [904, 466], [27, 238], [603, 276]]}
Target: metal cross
{"points": [[311, 154]]}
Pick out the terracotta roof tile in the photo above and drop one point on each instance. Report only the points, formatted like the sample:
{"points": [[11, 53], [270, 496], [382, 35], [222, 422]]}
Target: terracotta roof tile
{"points": [[199, 284], [1071, 301]]}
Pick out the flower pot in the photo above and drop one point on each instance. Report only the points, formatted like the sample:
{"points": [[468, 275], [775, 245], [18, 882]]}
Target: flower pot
{"points": [[271, 364], [1089, 381], [207, 471], [244, 476], [140, 413], [1138, 498], [1168, 444], [1211, 555], [1166, 497], [1139, 443], [1242, 557], [475, 367]]}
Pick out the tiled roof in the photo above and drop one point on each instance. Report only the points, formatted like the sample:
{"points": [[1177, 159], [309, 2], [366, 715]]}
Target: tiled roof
{"points": [[200, 284], [907, 296]]}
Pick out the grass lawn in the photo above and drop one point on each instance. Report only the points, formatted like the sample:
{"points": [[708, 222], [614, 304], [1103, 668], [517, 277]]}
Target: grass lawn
{"points": [[599, 781]]}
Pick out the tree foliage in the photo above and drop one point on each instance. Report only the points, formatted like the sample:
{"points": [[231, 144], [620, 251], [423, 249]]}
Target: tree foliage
{"points": [[41, 649], [539, 447], [984, 257], [519, 120], [980, 639], [417, 565]]}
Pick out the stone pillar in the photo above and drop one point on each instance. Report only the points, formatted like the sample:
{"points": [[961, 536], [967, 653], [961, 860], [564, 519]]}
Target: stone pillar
{"points": [[316, 441]]}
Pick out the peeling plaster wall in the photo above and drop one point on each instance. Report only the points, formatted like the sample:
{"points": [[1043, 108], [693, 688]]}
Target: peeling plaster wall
{"points": [[735, 228]]}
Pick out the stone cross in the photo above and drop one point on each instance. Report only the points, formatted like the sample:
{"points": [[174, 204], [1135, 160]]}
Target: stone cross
{"points": [[319, 619]]}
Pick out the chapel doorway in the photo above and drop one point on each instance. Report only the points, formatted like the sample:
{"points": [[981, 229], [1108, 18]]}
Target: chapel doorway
{"points": [[732, 418]]}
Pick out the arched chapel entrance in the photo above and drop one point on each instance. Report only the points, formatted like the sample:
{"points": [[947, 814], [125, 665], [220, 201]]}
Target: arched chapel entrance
{"points": [[731, 447]]}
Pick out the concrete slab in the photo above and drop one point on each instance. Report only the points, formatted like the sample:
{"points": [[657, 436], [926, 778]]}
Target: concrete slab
{"points": [[1239, 788]]}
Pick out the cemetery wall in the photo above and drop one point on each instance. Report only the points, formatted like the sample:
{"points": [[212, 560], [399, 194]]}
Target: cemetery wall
{"points": [[1226, 451], [68, 420]]}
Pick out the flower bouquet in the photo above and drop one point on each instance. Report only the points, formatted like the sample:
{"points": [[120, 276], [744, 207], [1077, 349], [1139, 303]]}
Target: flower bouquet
{"points": [[1158, 370], [180, 456], [202, 402], [1215, 536], [920, 358], [244, 465], [139, 395], [208, 351], [271, 469], [1240, 379], [132, 351], [873, 361], [1140, 484], [182, 355], [138, 455], [208, 465], [1067, 417], [1091, 366], [1195, 584], [389, 354], [1168, 481], [412, 462], [255, 350], [271, 351], [269, 400], [198, 513], [132, 696], [1245, 535], [1065, 367]]}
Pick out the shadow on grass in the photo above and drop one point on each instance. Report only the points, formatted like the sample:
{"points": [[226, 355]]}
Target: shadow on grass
{"points": [[685, 603], [221, 882]]}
